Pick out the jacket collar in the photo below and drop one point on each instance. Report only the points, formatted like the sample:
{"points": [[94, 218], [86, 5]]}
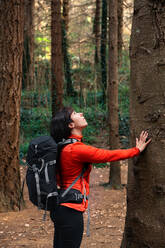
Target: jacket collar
{"points": [[77, 137]]}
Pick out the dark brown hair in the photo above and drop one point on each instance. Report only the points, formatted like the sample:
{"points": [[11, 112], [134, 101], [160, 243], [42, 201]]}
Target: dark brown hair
{"points": [[59, 125]]}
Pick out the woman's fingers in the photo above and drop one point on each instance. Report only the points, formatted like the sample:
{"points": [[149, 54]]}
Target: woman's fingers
{"points": [[141, 143], [144, 135], [148, 141], [137, 141]]}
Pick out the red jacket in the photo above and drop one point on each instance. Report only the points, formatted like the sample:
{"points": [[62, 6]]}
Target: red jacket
{"points": [[72, 159]]}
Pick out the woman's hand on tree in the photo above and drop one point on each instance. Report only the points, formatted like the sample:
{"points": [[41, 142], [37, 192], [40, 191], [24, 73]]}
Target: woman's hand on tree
{"points": [[141, 143]]}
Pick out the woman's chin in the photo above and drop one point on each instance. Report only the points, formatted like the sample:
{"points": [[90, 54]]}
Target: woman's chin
{"points": [[85, 125]]}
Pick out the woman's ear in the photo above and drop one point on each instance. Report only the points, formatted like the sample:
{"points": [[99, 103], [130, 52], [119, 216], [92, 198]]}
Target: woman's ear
{"points": [[71, 125]]}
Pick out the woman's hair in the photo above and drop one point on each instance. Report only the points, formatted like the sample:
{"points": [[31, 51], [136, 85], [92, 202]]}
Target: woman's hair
{"points": [[59, 125]]}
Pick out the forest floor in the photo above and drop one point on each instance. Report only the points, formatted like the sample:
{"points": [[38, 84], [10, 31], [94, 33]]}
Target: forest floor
{"points": [[107, 216]]}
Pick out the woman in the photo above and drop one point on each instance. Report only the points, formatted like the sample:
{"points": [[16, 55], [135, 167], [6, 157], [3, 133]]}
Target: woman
{"points": [[68, 217]]}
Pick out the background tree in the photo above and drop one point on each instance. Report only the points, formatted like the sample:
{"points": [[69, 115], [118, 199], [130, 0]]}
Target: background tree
{"points": [[96, 31], [103, 49], [145, 219], [66, 4], [113, 108], [11, 51], [120, 30], [28, 53], [67, 67], [56, 57]]}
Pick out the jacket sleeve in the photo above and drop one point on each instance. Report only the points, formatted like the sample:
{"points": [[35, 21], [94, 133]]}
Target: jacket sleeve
{"points": [[90, 154]]}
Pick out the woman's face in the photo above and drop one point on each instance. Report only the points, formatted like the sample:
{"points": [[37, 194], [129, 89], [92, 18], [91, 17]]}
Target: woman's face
{"points": [[78, 120]]}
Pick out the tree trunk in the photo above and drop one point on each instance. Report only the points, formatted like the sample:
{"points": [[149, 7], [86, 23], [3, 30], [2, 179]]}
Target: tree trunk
{"points": [[114, 177], [28, 54], [96, 31], [120, 30], [103, 49], [145, 219], [11, 51], [66, 13], [67, 69], [56, 57]]}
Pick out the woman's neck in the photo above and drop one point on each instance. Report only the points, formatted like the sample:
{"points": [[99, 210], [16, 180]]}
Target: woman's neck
{"points": [[76, 132]]}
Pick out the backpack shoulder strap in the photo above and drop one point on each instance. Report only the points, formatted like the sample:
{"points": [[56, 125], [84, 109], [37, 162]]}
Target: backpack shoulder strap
{"points": [[70, 186]]}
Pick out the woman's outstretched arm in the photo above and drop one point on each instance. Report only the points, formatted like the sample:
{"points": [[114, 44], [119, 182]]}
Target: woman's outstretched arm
{"points": [[86, 153]]}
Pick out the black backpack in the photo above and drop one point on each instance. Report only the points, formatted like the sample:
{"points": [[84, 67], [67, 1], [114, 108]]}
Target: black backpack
{"points": [[42, 157]]}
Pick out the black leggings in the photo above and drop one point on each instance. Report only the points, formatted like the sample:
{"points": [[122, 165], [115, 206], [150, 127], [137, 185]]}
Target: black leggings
{"points": [[69, 226]]}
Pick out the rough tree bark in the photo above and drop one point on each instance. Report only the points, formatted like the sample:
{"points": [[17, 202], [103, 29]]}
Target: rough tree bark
{"points": [[114, 176], [56, 57], [11, 51], [28, 54], [145, 218]]}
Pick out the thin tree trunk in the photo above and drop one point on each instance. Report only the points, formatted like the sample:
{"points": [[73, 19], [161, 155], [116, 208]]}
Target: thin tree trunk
{"points": [[114, 177], [96, 31], [66, 13], [11, 52], [67, 67], [28, 54], [120, 30], [145, 218], [103, 49], [56, 57]]}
